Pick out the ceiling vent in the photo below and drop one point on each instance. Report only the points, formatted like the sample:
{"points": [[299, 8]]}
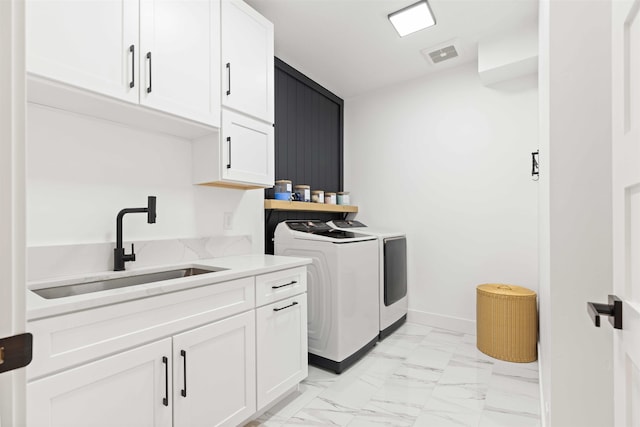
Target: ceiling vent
{"points": [[440, 55]]}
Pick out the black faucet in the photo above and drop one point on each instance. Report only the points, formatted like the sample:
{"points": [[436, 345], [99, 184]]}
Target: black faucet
{"points": [[119, 257]]}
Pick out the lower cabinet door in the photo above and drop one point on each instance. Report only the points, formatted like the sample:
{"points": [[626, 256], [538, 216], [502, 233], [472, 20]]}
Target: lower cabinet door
{"points": [[214, 373], [281, 347], [128, 389]]}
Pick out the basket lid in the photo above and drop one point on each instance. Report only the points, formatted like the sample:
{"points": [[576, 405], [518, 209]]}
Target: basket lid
{"points": [[504, 289]]}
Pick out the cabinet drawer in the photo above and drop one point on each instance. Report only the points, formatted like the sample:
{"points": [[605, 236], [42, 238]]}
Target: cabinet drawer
{"points": [[280, 284], [75, 338]]}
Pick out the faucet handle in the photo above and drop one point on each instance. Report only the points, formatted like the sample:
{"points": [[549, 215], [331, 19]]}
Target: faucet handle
{"points": [[132, 255]]}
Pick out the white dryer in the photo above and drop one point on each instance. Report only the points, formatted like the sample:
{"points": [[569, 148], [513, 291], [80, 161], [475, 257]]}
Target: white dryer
{"points": [[342, 283], [392, 262]]}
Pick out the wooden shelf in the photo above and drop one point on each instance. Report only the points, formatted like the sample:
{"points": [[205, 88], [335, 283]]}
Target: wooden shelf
{"points": [[284, 205]]}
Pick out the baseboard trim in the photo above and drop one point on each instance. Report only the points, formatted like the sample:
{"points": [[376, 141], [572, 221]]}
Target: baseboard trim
{"points": [[450, 323]]}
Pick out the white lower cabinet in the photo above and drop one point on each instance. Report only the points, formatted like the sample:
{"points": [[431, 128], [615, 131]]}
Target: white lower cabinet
{"points": [[127, 389], [209, 381], [214, 373], [200, 357], [281, 332], [281, 335]]}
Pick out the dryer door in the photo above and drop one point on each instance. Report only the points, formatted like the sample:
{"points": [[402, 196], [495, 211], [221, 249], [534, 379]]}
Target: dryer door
{"points": [[395, 269]]}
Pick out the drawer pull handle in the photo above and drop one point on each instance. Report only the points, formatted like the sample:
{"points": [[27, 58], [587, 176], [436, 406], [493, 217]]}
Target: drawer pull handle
{"points": [[286, 306], [132, 49], [293, 282], [165, 400], [149, 58], [183, 353], [229, 77]]}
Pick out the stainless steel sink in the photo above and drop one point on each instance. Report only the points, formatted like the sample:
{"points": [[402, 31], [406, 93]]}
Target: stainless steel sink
{"points": [[121, 282]]}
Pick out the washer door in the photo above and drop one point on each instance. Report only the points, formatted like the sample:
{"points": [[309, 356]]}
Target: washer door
{"points": [[395, 269]]}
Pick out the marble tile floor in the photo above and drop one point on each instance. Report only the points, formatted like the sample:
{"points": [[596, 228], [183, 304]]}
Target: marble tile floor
{"points": [[420, 376]]}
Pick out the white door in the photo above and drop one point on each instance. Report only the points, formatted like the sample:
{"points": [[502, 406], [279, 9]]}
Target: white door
{"points": [[247, 60], [88, 44], [180, 53], [130, 389], [214, 373], [626, 208], [12, 202]]}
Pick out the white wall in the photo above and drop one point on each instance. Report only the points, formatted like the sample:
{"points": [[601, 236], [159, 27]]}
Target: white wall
{"points": [[575, 202], [509, 55], [448, 160], [82, 171]]}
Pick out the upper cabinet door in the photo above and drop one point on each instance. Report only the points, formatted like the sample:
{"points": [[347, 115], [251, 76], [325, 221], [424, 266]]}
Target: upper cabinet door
{"points": [[247, 61], [180, 57], [247, 150], [89, 44]]}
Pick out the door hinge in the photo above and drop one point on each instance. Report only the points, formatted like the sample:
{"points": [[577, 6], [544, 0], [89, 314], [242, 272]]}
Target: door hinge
{"points": [[15, 352]]}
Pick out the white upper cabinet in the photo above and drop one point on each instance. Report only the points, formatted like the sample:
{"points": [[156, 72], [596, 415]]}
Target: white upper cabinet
{"points": [[172, 66], [88, 44], [247, 150], [242, 157], [247, 61], [180, 53]]}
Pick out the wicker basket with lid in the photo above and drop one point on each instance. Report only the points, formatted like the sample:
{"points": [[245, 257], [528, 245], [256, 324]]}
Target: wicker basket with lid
{"points": [[507, 322]]}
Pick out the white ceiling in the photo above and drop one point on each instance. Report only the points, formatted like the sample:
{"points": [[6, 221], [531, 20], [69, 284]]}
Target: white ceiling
{"points": [[350, 47]]}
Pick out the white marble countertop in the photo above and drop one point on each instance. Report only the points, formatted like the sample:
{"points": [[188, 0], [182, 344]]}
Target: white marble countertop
{"points": [[236, 267]]}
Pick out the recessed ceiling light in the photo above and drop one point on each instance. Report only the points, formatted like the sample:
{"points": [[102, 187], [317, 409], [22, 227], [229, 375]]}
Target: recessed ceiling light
{"points": [[412, 18]]}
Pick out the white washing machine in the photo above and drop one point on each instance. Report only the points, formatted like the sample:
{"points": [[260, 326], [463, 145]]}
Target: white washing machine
{"points": [[392, 262], [342, 294]]}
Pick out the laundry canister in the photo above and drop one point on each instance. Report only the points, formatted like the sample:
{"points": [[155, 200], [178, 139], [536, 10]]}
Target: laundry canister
{"points": [[507, 322]]}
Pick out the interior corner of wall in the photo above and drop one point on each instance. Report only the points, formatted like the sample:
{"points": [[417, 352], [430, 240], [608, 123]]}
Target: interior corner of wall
{"points": [[509, 71]]}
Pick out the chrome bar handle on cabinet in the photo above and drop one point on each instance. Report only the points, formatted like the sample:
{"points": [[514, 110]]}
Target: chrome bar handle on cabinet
{"points": [[229, 144], [613, 309], [165, 400], [286, 306], [293, 282], [149, 58], [228, 78], [183, 353], [132, 83]]}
